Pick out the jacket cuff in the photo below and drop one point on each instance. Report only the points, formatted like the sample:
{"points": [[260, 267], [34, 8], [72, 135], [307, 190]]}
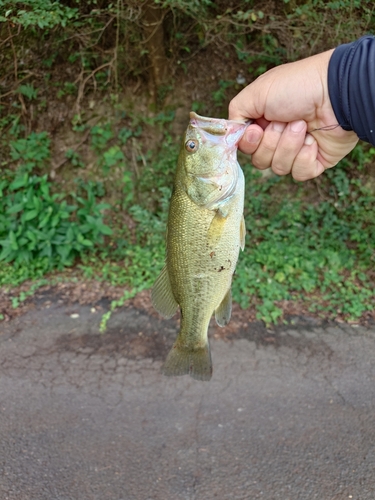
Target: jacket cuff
{"points": [[351, 87]]}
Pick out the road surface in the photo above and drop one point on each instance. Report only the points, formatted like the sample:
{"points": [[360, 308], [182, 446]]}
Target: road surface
{"points": [[288, 414]]}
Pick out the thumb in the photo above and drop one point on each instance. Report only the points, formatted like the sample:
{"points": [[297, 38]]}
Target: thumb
{"points": [[244, 105], [251, 139]]}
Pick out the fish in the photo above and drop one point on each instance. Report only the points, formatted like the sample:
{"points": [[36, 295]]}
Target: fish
{"points": [[205, 231]]}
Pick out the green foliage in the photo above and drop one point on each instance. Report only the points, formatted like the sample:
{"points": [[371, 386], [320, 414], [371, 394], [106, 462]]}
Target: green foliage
{"points": [[319, 253], [14, 275], [74, 158], [28, 91], [39, 225], [272, 53], [192, 8], [100, 136], [41, 13], [103, 42], [67, 88], [32, 152], [319, 20], [112, 157]]}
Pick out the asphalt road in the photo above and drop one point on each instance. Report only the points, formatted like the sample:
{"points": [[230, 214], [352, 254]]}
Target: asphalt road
{"points": [[288, 415]]}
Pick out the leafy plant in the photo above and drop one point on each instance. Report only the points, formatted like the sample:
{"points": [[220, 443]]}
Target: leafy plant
{"points": [[319, 253], [112, 157], [100, 136], [28, 91], [36, 224], [39, 225], [74, 158], [40, 13], [31, 152]]}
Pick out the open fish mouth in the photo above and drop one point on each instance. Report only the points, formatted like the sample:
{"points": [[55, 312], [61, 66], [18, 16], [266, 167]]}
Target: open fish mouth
{"points": [[215, 129]]}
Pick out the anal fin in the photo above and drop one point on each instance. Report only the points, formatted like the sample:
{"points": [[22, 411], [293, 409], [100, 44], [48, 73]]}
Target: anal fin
{"points": [[162, 295], [224, 311]]}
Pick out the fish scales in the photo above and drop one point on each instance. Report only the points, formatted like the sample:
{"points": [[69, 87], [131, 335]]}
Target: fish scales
{"points": [[204, 234]]}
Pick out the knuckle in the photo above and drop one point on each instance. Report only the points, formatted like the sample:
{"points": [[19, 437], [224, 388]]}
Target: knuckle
{"points": [[259, 163], [305, 156], [302, 176], [280, 169], [268, 147], [303, 170]]}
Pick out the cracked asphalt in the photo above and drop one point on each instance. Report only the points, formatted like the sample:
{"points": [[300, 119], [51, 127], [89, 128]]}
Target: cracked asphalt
{"points": [[287, 415]]}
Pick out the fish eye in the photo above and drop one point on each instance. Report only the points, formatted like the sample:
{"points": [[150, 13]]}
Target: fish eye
{"points": [[191, 146]]}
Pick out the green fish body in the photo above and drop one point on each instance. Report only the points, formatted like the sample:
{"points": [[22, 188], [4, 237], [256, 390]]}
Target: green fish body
{"points": [[204, 235]]}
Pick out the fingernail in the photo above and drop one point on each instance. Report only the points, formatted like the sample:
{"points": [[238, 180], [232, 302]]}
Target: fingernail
{"points": [[253, 136], [309, 139], [278, 126], [297, 126]]}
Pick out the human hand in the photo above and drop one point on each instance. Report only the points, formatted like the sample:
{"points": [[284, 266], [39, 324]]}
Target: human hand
{"points": [[295, 129]]}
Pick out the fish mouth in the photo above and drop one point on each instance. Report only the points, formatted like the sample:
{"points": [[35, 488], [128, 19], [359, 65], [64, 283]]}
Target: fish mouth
{"points": [[215, 129]]}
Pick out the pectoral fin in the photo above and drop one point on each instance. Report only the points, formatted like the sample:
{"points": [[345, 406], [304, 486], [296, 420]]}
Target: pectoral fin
{"points": [[242, 233], [224, 311], [215, 231], [162, 295]]}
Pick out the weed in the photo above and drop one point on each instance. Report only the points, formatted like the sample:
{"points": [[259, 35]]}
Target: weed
{"points": [[100, 136], [31, 152], [39, 225], [67, 88], [74, 158], [28, 91], [112, 157], [308, 250], [40, 13]]}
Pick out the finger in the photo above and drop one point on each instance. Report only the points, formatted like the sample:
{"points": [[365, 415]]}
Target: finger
{"points": [[290, 143], [251, 139], [306, 164], [263, 156]]}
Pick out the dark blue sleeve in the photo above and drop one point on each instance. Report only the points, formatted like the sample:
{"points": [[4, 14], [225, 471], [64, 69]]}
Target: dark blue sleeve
{"points": [[351, 87]]}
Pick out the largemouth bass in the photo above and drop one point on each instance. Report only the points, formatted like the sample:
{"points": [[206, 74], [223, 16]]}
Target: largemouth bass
{"points": [[205, 232]]}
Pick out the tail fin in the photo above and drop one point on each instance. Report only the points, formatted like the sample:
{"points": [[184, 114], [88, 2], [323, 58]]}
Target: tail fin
{"points": [[195, 362]]}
